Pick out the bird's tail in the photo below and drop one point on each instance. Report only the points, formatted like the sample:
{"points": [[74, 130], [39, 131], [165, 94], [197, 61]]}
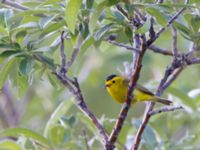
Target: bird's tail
{"points": [[162, 100]]}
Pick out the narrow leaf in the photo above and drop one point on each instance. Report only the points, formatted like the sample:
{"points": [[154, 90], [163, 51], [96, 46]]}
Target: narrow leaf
{"points": [[16, 132], [158, 15], [96, 14], [26, 65], [4, 72], [102, 31], [57, 114], [71, 13], [148, 136], [9, 145]]}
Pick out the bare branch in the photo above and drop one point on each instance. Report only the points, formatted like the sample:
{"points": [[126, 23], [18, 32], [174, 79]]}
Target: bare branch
{"points": [[85, 139], [165, 109], [159, 90], [151, 40], [127, 47], [195, 60], [74, 88], [160, 50], [151, 47], [62, 54], [123, 12], [14, 5], [135, 75], [173, 77], [174, 43], [142, 17], [75, 53]]}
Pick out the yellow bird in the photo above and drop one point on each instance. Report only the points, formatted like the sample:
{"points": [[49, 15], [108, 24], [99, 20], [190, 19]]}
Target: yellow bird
{"points": [[117, 87]]}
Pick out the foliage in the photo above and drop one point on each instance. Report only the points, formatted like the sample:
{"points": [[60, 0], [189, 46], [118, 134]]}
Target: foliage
{"points": [[36, 110]]}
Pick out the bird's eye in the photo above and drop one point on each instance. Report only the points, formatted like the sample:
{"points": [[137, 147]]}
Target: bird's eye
{"points": [[113, 81]]}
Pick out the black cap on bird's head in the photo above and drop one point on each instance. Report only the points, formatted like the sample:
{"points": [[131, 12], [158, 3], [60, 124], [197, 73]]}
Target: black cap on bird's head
{"points": [[110, 77]]}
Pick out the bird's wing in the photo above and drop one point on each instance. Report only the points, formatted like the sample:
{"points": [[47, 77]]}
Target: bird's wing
{"points": [[143, 89], [139, 87]]}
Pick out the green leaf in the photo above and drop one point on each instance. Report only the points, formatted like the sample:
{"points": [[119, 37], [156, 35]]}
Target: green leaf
{"points": [[13, 46], [20, 36], [87, 122], [5, 70], [57, 114], [158, 15], [69, 120], [87, 43], [53, 27], [5, 14], [145, 28], [22, 85], [45, 60], [184, 98], [148, 135], [3, 31], [95, 15], [8, 53], [102, 31], [186, 31], [118, 16], [17, 132], [53, 80], [71, 13], [26, 65], [195, 22], [27, 25], [56, 134], [9, 145], [89, 3], [45, 21]]}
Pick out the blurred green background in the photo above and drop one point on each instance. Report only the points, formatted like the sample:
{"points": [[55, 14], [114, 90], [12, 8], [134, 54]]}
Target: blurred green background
{"points": [[31, 101]]}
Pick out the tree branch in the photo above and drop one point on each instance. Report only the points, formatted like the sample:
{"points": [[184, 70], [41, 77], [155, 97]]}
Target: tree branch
{"points": [[14, 5], [153, 48], [74, 88], [165, 109], [168, 72], [174, 43], [62, 54], [151, 40], [122, 11], [134, 77], [74, 53]]}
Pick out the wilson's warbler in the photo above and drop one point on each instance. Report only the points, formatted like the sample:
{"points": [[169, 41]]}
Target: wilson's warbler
{"points": [[117, 87]]}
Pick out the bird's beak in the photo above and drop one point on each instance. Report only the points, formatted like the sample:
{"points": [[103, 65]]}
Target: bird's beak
{"points": [[107, 85]]}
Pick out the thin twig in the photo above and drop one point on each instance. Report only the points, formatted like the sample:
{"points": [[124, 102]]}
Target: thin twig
{"points": [[85, 139], [172, 78], [14, 5], [160, 50], [195, 60], [151, 47], [174, 42], [142, 17], [151, 40], [165, 109], [123, 12], [127, 47], [62, 54], [74, 53]]}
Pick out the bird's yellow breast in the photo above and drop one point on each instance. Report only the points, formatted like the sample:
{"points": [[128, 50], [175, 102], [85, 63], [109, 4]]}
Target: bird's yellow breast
{"points": [[118, 90]]}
